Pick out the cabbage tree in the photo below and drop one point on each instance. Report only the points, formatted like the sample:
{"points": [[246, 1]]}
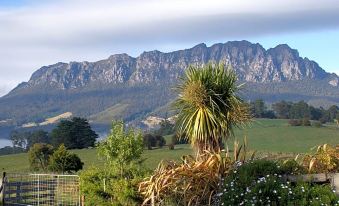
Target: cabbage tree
{"points": [[209, 106]]}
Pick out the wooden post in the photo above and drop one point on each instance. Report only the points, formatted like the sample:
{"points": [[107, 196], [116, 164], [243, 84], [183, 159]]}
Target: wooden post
{"points": [[83, 200], [335, 183], [2, 188]]}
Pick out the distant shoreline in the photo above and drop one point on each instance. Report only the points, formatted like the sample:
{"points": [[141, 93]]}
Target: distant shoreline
{"points": [[5, 142]]}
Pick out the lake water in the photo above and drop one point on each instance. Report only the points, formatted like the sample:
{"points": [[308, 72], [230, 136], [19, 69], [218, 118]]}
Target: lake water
{"points": [[5, 142]]}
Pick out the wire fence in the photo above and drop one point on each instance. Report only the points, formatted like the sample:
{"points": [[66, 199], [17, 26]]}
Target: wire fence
{"points": [[42, 189]]}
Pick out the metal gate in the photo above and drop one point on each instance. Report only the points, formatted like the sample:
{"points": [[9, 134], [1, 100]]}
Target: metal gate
{"points": [[41, 189]]}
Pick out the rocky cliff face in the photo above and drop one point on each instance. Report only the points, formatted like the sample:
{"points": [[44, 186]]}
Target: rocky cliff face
{"points": [[251, 61]]}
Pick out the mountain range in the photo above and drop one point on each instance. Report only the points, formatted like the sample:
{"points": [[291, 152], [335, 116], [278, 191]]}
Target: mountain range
{"points": [[130, 88]]}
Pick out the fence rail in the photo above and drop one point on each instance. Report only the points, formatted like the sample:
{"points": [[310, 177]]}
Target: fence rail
{"points": [[41, 189]]}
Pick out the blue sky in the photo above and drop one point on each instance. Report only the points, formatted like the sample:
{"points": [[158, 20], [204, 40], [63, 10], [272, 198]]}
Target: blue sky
{"points": [[35, 33]]}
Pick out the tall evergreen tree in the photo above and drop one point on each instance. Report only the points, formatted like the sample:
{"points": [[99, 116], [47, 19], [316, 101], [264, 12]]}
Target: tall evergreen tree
{"points": [[74, 134]]}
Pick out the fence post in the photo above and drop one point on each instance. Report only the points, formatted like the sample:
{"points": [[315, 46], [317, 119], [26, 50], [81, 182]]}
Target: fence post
{"points": [[83, 200], [2, 188], [335, 183]]}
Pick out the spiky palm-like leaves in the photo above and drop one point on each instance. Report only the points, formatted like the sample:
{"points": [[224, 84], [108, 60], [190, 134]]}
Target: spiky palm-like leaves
{"points": [[208, 106]]}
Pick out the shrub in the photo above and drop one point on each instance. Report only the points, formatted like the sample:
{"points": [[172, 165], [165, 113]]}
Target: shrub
{"points": [[121, 148], [191, 183], [171, 146], [38, 156], [266, 187], [292, 167], [325, 159], [160, 141], [63, 161], [105, 187], [295, 122], [306, 122], [116, 183], [251, 171], [272, 190], [149, 141], [317, 124]]}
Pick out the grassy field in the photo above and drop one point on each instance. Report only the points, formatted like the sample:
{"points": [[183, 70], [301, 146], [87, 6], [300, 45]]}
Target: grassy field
{"points": [[263, 135], [19, 162], [278, 136]]}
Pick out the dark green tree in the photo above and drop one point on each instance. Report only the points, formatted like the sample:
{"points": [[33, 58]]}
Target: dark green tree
{"points": [[258, 108], [160, 141], [282, 109], [63, 161], [332, 112], [75, 134], [299, 110], [39, 136], [166, 128], [149, 141]]}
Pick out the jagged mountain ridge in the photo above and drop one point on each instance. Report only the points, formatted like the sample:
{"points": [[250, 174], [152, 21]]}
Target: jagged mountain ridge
{"points": [[251, 61], [132, 88]]}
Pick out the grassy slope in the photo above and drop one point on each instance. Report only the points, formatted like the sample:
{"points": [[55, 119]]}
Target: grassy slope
{"points": [[263, 135]]}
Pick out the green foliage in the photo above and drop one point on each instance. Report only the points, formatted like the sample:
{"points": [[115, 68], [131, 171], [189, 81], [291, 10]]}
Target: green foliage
{"points": [[151, 141], [74, 134], [301, 110], [292, 167], [166, 128], [295, 122], [160, 141], [121, 147], [19, 139], [25, 139], [116, 183], [259, 109], [63, 161], [208, 106], [267, 187], [38, 156], [249, 172], [11, 150], [317, 124], [102, 187]]}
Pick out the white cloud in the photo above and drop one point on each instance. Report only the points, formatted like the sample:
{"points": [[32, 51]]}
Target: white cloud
{"points": [[35, 35]]}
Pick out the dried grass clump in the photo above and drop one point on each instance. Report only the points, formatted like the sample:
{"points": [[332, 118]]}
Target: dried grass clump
{"points": [[325, 159], [193, 182]]}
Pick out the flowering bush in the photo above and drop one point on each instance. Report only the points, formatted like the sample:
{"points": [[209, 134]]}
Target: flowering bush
{"points": [[261, 183]]}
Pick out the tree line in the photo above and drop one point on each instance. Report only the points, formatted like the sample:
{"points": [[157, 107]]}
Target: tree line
{"points": [[293, 110], [75, 133]]}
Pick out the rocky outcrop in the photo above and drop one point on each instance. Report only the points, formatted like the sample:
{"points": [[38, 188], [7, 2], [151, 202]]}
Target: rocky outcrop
{"points": [[251, 61]]}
